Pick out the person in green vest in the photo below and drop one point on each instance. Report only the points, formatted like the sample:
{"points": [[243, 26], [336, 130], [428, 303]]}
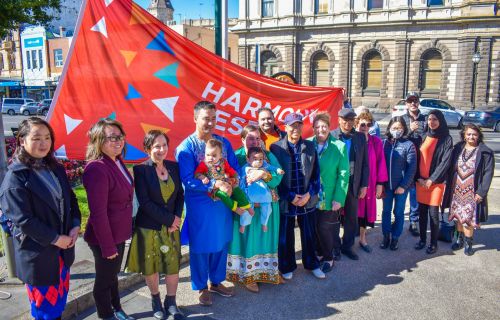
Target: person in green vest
{"points": [[334, 176], [253, 255]]}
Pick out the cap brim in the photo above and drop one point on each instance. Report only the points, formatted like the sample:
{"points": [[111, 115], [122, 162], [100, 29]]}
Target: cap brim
{"points": [[295, 121]]}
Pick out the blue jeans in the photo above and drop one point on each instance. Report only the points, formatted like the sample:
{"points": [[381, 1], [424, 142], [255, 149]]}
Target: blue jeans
{"points": [[399, 201], [413, 204]]}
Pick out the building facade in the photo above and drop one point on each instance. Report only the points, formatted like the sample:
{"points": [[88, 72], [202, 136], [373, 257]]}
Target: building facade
{"points": [[378, 49], [162, 10]]}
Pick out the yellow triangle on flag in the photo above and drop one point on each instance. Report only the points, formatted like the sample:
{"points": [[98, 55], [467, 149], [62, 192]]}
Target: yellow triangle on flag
{"points": [[148, 127], [137, 17], [128, 55]]}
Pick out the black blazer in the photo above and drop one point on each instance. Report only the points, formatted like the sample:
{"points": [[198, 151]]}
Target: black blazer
{"points": [[36, 221], [358, 161], [441, 160], [483, 175], [153, 212]]}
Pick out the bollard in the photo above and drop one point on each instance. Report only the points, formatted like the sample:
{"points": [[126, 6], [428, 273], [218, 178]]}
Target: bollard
{"points": [[9, 254]]}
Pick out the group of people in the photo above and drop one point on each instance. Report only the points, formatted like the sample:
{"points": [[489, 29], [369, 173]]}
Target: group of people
{"points": [[241, 207]]}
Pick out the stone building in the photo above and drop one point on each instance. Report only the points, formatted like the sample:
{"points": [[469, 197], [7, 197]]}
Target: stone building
{"points": [[378, 49], [162, 10]]}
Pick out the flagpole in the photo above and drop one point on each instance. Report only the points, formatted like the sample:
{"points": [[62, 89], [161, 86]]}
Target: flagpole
{"points": [[221, 28]]}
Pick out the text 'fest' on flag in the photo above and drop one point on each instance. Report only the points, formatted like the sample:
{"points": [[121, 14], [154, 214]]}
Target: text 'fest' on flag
{"points": [[126, 65]]}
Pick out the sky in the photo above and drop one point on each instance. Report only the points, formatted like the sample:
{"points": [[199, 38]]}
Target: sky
{"points": [[194, 9]]}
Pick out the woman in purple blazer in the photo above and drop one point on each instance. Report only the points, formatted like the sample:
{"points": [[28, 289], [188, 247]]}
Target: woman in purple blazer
{"points": [[110, 189]]}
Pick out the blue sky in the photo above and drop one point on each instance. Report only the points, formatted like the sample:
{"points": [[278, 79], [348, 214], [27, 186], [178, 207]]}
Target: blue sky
{"points": [[193, 9]]}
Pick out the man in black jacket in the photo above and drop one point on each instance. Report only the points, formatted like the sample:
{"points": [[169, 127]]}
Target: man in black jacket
{"points": [[357, 149], [416, 123], [298, 192]]}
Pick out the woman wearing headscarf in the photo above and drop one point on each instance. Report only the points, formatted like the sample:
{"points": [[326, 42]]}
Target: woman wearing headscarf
{"points": [[433, 166], [469, 179]]}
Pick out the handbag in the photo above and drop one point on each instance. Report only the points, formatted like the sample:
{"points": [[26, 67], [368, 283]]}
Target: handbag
{"points": [[446, 229]]}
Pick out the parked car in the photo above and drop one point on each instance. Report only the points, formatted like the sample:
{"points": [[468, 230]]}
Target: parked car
{"points": [[453, 116], [44, 106], [484, 118], [29, 108], [12, 106]]}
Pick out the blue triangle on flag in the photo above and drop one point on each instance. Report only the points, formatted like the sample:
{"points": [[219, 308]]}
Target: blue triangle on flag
{"points": [[111, 116], [132, 93], [160, 43], [169, 74], [134, 154]]}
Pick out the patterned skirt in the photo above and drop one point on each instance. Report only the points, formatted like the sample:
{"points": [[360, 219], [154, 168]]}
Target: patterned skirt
{"points": [[48, 302], [463, 205]]}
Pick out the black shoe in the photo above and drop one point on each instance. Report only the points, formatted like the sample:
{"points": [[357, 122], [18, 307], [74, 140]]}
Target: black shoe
{"points": [[414, 229], [158, 311], [468, 247], [394, 244], [420, 245], [326, 266], [459, 243], [336, 254], [385, 242], [366, 247], [431, 249], [350, 254]]}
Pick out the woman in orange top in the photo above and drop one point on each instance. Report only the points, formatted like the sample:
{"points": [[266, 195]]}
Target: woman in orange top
{"points": [[434, 163]]}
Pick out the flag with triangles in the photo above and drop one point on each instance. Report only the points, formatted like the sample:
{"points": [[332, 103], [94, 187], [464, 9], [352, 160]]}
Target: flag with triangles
{"points": [[127, 65]]}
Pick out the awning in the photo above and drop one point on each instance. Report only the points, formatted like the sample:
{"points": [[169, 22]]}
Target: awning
{"points": [[9, 84]]}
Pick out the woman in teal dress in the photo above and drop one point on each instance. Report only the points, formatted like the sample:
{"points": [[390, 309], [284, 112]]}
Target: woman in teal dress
{"points": [[253, 255]]}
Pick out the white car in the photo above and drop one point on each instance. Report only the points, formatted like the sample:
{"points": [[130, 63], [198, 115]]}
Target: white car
{"points": [[453, 116]]}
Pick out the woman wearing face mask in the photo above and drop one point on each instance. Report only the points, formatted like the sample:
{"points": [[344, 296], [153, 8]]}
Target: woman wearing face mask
{"points": [[433, 166], [367, 207], [469, 179], [401, 162]]}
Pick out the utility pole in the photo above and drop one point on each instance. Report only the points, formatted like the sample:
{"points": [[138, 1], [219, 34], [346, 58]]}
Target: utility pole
{"points": [[221, 28]]}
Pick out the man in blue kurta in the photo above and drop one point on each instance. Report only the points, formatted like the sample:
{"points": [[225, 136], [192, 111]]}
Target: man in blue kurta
{"points": [[208, 223]]}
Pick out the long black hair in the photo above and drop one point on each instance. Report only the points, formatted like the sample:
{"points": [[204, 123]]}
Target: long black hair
{"points": [[399, 119]]}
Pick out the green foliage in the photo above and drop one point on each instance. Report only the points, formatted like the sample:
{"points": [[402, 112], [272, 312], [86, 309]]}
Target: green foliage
{"points": [[13, 13], [81, 196]]}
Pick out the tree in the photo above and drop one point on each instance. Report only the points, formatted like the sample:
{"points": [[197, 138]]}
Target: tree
{"points": [[13, 13]]}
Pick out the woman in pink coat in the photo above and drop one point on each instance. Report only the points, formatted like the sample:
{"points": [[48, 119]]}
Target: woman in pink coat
{"points": [[367, 207]]}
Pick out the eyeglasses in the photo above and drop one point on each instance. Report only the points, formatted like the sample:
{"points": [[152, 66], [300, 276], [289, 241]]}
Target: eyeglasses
{"points": [[116, 138], [369, 125], [412, 101]]}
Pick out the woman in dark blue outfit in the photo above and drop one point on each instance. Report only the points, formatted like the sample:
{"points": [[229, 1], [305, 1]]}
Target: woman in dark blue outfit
{"points": [[37, 197]]}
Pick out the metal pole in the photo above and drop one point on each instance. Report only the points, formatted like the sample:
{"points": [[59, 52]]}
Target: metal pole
{"points": [[474, 80], [221, 28]]}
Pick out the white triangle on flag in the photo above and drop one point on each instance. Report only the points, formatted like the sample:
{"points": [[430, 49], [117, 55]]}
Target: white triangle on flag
{"points": [[108, 2], [61, 152], [167, 105], [101, 27], [71, 123]]}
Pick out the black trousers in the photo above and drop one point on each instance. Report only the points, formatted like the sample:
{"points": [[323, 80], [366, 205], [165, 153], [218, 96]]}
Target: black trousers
{"points": [[106, 295], [286, 244], [327, 230], [350, 221], [424, 211]]}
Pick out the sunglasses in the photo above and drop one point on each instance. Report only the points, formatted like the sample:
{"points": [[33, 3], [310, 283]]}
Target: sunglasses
{"points": [[363, 125], [116, 138], [412, 101]]}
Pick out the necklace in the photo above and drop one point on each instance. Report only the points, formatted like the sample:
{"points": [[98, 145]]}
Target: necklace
{"points": [[161, 169], [466, 157]]}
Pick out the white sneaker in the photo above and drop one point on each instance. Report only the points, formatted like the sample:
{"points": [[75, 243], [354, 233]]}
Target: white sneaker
{"points": [[288, 276], [318, 273]]}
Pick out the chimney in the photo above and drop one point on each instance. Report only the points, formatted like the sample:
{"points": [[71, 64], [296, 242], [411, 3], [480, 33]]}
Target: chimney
{"points": [[62, 31]]}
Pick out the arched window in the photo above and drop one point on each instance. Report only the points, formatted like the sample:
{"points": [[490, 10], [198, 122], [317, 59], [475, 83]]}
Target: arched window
{"points": [[319, 70], [430, 73], [268, 63], [372, 73]]}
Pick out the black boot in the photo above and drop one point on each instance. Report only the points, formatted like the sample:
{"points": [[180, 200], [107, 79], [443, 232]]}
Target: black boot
{"points": [[468, 246], [385, 243], [172, 312], [394, 244], [459, 243], [158, 311]]}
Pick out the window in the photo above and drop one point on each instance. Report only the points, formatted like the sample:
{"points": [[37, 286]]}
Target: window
{"points": [[431, 71], [372, 73], [320, 6], [12, 61], [28, 60], [431, 3], [1, 61], [319, 70], [58, 57], [268, 63], [375, 4], [40, 59], [267, 8], [33, 59]]}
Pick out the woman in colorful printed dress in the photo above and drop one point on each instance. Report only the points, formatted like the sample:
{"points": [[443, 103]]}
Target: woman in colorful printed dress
{"points": [[38, 198], [367, 207], [253, 255], [155, 246], [434, 164], [472, 167]]}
